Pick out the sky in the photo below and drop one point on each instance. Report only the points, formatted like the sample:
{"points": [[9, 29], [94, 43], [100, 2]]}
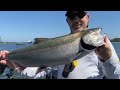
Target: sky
{"points": [[22, 26]]}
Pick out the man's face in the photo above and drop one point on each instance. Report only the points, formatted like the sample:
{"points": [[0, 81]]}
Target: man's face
{"points": [[77, 21]]}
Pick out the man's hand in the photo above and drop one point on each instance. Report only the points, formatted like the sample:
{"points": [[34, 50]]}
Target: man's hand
{"points": [[104, 51], [3, 55]]}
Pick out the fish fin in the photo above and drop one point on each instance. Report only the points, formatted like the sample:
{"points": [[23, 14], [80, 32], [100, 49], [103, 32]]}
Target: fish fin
{"points": [[78, 54], [40, 69], [18, 67], [2, 68]]}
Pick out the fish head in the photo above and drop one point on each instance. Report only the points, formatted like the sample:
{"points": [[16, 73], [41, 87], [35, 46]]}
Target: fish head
{"points": [[92, 37]]}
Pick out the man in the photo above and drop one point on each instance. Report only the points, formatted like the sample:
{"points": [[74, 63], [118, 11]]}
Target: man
{"points": [[99, 63]]}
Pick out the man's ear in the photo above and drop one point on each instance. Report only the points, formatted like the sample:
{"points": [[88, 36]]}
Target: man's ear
{"points": [[88, 16], [88, 19]]}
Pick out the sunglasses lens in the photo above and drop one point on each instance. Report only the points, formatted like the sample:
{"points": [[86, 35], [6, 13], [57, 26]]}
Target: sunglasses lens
{"points": [[73, 15], [81, 15]]}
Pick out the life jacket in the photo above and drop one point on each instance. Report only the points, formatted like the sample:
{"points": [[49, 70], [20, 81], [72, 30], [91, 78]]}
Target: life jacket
{"points": [[69, 68]]}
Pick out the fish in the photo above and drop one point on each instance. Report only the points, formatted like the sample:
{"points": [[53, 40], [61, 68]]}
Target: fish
{"points": [[58, 50]]}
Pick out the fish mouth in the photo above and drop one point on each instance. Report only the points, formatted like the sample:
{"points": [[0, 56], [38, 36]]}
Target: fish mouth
{"points": [[86, 46]]}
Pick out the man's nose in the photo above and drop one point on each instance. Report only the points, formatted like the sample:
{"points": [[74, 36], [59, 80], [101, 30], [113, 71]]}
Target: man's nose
{"points": [[76, 19]]}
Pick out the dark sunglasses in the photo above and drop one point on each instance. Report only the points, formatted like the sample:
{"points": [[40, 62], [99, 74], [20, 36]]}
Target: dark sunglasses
{"points": [[73, 15]]}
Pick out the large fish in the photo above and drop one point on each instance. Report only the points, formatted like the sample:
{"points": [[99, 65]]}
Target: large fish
{"points": [[58, 50]]}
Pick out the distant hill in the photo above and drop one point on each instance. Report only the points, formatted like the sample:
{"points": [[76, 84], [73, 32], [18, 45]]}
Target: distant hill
{"points": [[11, 42], [115, 40]]}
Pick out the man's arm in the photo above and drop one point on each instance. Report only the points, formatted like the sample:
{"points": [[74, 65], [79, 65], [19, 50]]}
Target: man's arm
{"points": [[109, 60]]}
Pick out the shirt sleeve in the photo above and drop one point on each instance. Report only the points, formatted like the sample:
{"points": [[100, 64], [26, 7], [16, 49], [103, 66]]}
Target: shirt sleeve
{"points": [[112, 65]]}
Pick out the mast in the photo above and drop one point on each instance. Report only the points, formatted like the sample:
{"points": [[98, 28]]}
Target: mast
{"points": [[0, 38]]}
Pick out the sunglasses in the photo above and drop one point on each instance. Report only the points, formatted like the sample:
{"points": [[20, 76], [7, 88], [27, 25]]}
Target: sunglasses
{"points": [[73, 15]]}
